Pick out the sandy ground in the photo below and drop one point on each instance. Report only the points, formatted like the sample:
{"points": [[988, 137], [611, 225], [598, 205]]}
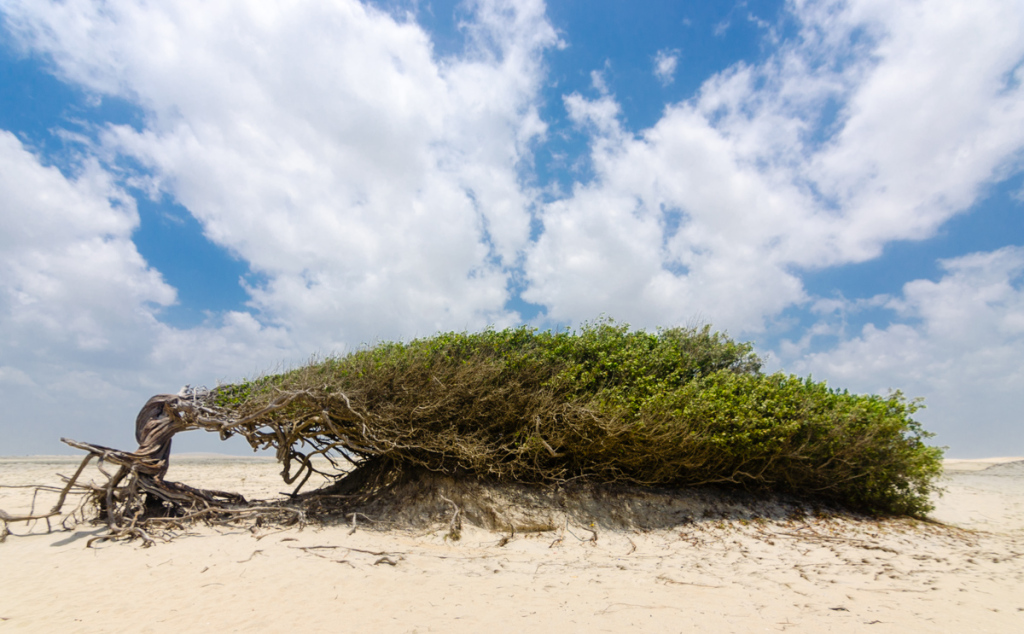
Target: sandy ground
{"points": [[811, 575]]}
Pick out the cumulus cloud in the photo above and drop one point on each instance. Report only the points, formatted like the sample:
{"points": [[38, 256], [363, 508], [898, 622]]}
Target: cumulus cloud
{"points": [[665, 63], [720, 205], [69, 271], [71, 288], [377, 188], [958, 342], [82, 344]]}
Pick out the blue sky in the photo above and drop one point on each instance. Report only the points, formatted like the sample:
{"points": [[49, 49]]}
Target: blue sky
{"points": [[200, 192]]}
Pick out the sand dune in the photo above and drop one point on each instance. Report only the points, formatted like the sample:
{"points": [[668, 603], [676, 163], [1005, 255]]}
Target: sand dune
{"points": [[807, 575]]}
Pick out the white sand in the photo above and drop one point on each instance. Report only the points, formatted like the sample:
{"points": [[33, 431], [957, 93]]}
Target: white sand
{"points": [[819, 575]]}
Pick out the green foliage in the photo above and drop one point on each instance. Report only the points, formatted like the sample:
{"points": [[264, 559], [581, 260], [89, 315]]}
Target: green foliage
{"points": [[678, 407]]}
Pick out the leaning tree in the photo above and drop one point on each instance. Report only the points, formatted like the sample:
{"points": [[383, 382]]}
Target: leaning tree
{"points": [[681, 407]]}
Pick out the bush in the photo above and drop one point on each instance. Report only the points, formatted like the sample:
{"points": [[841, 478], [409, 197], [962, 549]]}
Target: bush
{"points": [[679, 407]]}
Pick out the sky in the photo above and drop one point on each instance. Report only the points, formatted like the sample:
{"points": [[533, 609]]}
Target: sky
{"points": [[198, 192]]}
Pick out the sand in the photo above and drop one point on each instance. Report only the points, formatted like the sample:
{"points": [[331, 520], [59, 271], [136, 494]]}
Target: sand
{"points": [[713, 575]]}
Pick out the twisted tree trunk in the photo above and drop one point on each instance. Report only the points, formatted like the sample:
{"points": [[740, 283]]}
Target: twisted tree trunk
{"points": [[137, 498]]}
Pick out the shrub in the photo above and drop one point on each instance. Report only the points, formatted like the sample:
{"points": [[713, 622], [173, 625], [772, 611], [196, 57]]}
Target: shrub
{"points": [[679, 407]]}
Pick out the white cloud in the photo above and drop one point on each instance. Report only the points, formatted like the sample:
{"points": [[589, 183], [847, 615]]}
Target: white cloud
{"points": [[376, 187], [935, 120], [665, 63], [598, 80], [959, 346], [74, 291], [14, 376], [69, 272], [82, 347], [718, 206]]}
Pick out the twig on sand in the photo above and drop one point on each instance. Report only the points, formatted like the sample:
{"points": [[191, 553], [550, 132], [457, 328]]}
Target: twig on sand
{"points": [[592, 532], [254, 553], [668, 579]]}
